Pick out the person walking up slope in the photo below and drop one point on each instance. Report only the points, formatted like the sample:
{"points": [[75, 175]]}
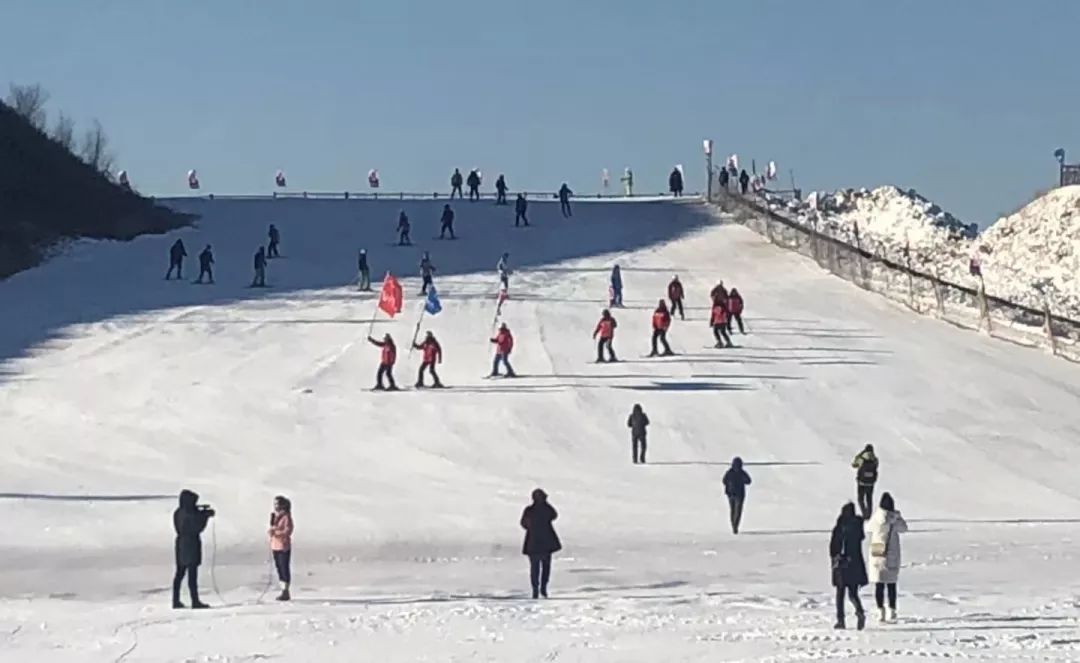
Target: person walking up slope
{"points": [[504, 345], [206, 265], [541, 541], [520, 207], [848, 568], [177, 253], [661, 320], [735, 482], [281, 529], [638, 422], [386, 363], [432, 355], [885, 528], [605, 330], [866, 476], [675, 294]]}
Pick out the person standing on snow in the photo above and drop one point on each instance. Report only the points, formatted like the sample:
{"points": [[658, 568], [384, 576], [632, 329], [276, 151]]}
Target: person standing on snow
{"points": [[500, 191], [206, 265], [474, 185], [885, 528], [447, 220], [605, 329], [275, 239], [365, 271], [427, 273], [744, 181], [386, 363], [177, 253], [432, 355], [403, 228], [675, 294], [719, 321], [866, 476], [675, 182], [661, 320], [628, 182], [735, 309], [719, 294], [541, 541], [520, 207], [735, 482], [455, 184], [564, 200], [189, 521], [504, 271], [281, 529], [848, 567], [616, 287], [260, 269], [637, 423], [725, 178], [504, 345]]}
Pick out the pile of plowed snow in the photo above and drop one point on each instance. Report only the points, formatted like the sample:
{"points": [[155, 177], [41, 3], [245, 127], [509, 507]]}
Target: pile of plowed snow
{"points": [[1027, 257]]}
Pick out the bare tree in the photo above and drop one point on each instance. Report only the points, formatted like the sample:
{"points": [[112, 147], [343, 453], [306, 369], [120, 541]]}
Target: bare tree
{"points": [[95, 150], [29, 102], [64, 132]]}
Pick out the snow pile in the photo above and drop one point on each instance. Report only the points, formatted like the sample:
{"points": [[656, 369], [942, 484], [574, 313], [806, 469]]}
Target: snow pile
{"points": [[1029, 257]]}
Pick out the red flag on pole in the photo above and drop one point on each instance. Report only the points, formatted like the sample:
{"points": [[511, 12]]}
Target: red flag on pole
{"points": [[391, 298]]}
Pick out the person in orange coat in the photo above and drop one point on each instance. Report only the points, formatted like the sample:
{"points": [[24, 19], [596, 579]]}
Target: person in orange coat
{"points": [[504, 344], [605, 330], [432, 355], [281, 529], [661, 320], [719, 323], [386, 362], [735, 309]]}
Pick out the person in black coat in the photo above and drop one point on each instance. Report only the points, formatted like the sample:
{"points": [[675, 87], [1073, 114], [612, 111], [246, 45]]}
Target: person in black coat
{"points": [[744, 181], [275, 239], [520, 207], [177, 253], [364, 269], [259, 281], [735, 482], [848, 565], [675, 183], [455, 184], [564, 200], [541, 541], [637, 423], [724, 179], [189, 521], [447, 220], [474, 185], [500, 191], [206, 264]]}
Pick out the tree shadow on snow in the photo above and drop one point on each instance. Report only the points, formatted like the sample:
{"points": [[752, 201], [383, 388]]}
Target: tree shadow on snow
{"points": [[84, 498]]}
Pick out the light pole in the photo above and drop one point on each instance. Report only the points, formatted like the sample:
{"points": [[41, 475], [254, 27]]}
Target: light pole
{"points": [[1059, 153]]}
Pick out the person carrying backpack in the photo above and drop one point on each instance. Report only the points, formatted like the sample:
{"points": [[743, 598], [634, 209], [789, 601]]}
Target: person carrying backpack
{"points": [[866, 475]]}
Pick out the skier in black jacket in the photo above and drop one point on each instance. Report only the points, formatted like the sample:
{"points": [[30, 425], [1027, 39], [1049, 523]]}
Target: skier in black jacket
{"points": [[744, 181], [455, 184], [520, 207], [275, 239], [564, 200], [848, 565], [447, 220], [500, 191], [403, 228], [637, 423], [541, 541], [177, 253], [206, 264], [189, 520], [474, 185], [735, 482]]}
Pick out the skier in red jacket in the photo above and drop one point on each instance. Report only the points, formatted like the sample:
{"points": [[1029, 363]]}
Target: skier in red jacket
{"points": [[504, 345], [432, 355], [661, 320], [675, 294], [719, 322], [605, 329], [386, 362], [735, 309]]}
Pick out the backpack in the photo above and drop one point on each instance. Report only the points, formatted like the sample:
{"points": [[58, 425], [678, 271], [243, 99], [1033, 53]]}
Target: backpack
{"points": [[868, 470]]}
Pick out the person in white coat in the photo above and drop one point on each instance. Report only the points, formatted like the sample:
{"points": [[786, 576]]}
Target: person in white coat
{"points": [[883, 563]]}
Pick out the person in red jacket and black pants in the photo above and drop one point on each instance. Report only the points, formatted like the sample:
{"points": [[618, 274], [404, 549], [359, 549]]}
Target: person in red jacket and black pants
{"points": [[735, 309], [605, 329], [675, 294], [386, 362], [719, 323], [432, 355], [661, 320]]}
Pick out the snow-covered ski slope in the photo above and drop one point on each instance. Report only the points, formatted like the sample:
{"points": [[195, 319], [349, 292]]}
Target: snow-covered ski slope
{"points": [[118, 388]]}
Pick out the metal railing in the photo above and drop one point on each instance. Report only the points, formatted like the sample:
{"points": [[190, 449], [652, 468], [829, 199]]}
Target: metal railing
{"points": [[413, 195], [909, 278]]}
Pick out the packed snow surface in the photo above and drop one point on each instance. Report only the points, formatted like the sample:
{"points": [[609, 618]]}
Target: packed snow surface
{"points": [[118, 388], [1029, 257]]}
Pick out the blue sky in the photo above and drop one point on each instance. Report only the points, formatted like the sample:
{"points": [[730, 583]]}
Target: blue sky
{"points": [[965, 100]]}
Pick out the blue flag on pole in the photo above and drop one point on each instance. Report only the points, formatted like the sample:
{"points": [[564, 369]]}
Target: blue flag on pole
{"points": [[433, 306]]}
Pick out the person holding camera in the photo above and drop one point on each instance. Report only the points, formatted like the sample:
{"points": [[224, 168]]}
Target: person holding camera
{"points": [[281, 529], [189, 521]]}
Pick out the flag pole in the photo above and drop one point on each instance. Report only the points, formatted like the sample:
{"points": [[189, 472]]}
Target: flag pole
{"points": [[416, 332]]}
